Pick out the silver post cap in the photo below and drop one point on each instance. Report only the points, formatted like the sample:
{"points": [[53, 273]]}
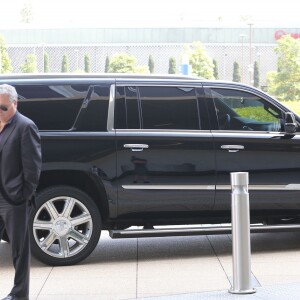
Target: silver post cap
{"points": [[239, 178]]}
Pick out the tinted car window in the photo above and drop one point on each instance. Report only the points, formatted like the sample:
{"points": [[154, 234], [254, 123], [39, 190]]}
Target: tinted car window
{"points": [[169, 108], [238, 110], [94, 114], [127, 108], [51, 107]]}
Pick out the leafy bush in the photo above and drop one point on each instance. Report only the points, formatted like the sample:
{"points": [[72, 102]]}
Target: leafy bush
{"points": [[106, 64], [5, 66], [285, 83], [141, 69], [172, 65], [236, 76], [202, 65], [46, 62], [87, 63], [216, 69], [256, 76], [125, 63], [122, 63], [65, 64], [30, 65], [151, 64], [292, 105]]}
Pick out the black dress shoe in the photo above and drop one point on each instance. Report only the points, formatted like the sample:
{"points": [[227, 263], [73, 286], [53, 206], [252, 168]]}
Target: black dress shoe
{"points": [[13, 297], [8, 297]]}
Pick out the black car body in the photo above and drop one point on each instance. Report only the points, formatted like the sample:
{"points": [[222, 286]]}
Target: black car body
{"points": [[129, 150]]}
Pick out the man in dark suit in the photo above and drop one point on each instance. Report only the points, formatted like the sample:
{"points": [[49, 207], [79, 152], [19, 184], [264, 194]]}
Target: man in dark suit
{"points": [[20, 166]]}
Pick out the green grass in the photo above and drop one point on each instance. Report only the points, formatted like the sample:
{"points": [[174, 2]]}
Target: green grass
{"points": [[256, 113]]}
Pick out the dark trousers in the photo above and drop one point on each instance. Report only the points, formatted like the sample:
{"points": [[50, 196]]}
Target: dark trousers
{"points": [[15, 220]]}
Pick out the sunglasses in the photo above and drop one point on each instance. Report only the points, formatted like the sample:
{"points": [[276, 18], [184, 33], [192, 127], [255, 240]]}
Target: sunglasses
{"points": [[3, 107]]}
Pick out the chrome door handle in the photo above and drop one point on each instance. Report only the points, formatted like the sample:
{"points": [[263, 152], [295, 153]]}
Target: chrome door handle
{"points": [[233, 148], [136, 147]]}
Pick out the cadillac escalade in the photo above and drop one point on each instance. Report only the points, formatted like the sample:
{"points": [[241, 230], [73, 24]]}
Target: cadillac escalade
{"points": [[151, 151]]}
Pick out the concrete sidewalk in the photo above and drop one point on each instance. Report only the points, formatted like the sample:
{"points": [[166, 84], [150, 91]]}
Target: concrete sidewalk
{"points": [[277, 292], [159, 267]]}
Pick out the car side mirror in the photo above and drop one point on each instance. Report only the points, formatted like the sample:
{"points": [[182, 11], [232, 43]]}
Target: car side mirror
{"points": [[290, 124]]}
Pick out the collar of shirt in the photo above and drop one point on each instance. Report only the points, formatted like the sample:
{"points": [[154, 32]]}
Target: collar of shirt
{"points": [[11, 119], [8, 123]]}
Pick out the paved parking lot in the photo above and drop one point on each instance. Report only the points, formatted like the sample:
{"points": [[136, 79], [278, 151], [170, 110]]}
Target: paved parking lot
{"points": [[150, 267]]}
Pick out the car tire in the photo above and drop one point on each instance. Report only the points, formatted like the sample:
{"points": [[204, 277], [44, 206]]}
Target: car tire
{"points": [[65, 227]]}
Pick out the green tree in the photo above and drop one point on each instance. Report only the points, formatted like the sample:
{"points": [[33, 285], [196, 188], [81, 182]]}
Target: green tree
{"points": [[46, 63], [30, 65], [236, 76], [256, 77], [285, 83], [141, 69], [172, 65], [106, 64], [216, 69], [5, 63], [87, 63], [65, 64], [27, 13], [122, 63], [151, 64], [202, 65]]}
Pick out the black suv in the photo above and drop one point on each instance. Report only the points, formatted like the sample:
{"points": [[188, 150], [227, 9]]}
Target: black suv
{"points": [[122, 151]]}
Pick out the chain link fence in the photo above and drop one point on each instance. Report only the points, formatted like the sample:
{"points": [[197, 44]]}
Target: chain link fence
{"points": [[224, 54]]}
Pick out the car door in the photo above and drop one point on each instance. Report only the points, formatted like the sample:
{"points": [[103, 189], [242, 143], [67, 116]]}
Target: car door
{"points": [[165, 160], [249, 136]]}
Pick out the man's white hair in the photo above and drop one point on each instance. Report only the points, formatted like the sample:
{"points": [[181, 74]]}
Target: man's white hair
{"points": [[10, 91]]}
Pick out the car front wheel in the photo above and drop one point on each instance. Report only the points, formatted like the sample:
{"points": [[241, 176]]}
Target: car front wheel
{"points": [[65, 226]]}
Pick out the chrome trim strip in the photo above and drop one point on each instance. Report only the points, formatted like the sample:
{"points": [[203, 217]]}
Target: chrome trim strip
{"points": [[245, 133], [289, 187], [164, 133], [293, 186], [166, 187], [176, 83], [111, 105], [200, 230]]}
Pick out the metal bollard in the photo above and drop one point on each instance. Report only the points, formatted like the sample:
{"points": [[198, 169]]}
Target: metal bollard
{"points": [[240, 218]]}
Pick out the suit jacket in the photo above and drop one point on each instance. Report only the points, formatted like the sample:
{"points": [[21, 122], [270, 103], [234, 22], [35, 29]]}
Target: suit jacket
{"points": [[20, 160]]}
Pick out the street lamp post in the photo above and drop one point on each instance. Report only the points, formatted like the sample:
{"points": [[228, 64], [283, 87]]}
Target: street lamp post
{"points": [[250, 53], [258, 54], [224, 65], [242, 36]]}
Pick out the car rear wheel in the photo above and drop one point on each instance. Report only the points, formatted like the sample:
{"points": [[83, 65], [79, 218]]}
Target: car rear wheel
{"points": [[65, 226]]}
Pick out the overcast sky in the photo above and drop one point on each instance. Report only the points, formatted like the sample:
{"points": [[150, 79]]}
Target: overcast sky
{"points": [[151, 13]]}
